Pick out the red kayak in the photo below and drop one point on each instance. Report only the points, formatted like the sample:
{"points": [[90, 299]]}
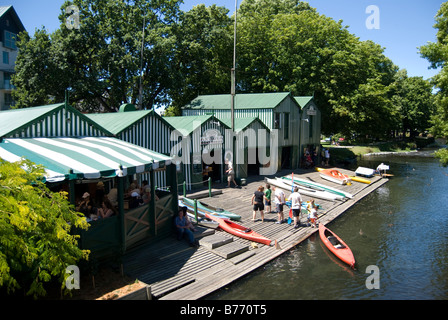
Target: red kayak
{"points": [[336, 245], [239, 230]]}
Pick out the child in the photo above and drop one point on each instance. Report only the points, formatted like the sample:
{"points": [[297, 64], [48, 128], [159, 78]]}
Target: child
{"points": [[312, 215]]}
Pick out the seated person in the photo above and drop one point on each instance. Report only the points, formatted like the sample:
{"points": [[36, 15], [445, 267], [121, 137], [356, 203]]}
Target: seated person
{"points": [[107, 210], [87, 207], [135, 200], [184, 226]]}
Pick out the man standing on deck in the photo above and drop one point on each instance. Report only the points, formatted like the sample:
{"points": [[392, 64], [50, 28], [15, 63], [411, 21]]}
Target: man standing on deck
{"points": [[279, 199], [296, 206]]}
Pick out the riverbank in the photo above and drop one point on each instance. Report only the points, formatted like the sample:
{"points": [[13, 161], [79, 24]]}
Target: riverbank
{"points": [[344, 155]]}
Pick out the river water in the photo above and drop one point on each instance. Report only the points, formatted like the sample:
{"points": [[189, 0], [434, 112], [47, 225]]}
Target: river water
{"points": [[398, 235]]}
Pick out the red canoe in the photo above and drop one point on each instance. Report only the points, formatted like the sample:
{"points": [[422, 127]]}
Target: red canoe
{"points": [[239, 230], [336, 245]]}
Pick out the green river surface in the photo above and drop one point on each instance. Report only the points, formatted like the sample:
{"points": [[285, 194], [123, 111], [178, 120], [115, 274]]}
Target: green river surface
{"points": [[398, 235]]}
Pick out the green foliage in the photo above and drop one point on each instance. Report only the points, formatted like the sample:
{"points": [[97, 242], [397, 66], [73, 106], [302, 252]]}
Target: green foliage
{"points": [[282, 46], [437, 55], [442, 154], [101, 62], [35, 241], [204, 54]]}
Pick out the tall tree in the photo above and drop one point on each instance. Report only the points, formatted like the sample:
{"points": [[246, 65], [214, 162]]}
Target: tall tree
{"points": [[102, 62], [437, 55], [285, 45], [414, 101], [203, 55]]}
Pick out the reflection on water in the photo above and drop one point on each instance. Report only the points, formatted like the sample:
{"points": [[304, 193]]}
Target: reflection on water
{"points": [[401, 228]]}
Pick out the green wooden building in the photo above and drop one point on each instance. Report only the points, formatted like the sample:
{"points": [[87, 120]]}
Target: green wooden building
{"points": [[199, 150], [311, 126], [77, 154], [279, 112]]}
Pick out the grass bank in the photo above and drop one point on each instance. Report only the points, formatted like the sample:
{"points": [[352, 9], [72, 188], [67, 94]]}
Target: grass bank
{"points": [[347, 153]]}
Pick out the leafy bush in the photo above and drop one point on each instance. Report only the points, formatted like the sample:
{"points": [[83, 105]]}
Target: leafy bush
{"points": [[35, 241]]}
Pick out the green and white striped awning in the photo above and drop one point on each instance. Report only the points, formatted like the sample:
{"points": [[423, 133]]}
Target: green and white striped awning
{"points": [[83, 158]]}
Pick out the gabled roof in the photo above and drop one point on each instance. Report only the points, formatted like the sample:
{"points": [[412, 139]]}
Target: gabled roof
{"points": [[303, 101], [187, 124], [117, 122], [14, 120], [242, 123], [242, 101], [12, 11]]}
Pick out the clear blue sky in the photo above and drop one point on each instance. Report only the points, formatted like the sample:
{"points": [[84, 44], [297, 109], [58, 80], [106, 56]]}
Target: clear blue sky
{"points": [[404, 24]]}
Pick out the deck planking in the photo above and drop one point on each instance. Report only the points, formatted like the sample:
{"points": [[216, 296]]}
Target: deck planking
{"points": [[176, 271]]}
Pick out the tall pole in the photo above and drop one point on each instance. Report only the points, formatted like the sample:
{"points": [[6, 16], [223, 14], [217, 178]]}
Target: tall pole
{"points": [[140, 102], [232, 73], [232, 93]]}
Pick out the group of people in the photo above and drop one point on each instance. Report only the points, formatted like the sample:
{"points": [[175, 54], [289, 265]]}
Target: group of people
{"points": [[262, 198], [138, 195], [310, 158], [100, 206]]}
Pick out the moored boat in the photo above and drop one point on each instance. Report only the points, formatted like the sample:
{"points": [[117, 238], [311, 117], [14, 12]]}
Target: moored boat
{"points": [[335, 244], [200, 213], [239, 230], [214, 211], [365, 172], [334, 175]]}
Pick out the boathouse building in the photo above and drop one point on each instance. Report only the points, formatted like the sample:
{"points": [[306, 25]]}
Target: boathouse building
{"points": [[277, 111], [78, 153]]}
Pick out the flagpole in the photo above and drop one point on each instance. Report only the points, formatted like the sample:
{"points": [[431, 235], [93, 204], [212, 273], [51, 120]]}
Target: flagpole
{"points": [[232, 92]]}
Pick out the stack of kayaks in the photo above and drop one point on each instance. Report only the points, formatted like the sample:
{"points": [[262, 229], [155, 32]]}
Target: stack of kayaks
{"points": [[239, 230], [212, 211], [334, 175], [287, 184], [201, 219], [318, 186]]}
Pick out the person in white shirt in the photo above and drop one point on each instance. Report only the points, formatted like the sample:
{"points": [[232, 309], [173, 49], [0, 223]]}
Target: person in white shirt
{"points": [[230, 174], [296, 206], [279, 200]]}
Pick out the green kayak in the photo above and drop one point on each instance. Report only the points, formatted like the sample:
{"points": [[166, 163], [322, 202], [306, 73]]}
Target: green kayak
{"points": [[218, 211]]}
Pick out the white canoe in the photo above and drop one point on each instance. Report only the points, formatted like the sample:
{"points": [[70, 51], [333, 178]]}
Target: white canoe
{"points": [[319, 186], [278, 182]]}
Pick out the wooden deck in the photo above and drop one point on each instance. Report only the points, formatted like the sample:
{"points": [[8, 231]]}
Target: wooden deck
{"points": [[176, 271]]}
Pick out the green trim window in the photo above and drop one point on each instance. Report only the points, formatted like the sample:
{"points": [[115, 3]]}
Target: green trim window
{"points": [[310, 126], [10, 40], [286, 126], [5, 57]]}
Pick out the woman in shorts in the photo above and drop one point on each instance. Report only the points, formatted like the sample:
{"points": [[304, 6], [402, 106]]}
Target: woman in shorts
{"points": [[257, 202]]}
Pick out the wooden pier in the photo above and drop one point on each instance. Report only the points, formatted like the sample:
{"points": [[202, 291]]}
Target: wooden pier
{"points": [[175, 271]]}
